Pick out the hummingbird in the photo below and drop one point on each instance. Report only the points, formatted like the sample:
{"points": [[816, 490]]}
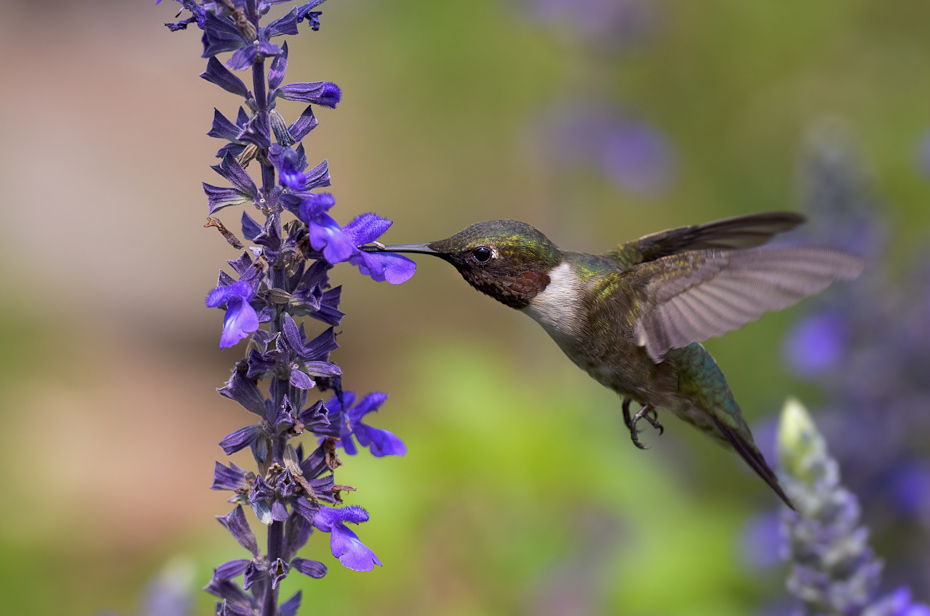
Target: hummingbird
{"points": [[634, 318]]}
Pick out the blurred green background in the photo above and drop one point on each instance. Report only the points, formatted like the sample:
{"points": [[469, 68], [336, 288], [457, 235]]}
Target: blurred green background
{"points": [[521, 493]]}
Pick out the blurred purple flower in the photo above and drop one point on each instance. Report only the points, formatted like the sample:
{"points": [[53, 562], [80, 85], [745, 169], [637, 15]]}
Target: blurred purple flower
{"points": [[911, 488], [638, 156], [900, 603], [632, 153], [816, 343], [615, 24], [761, 540], [868, 346]]}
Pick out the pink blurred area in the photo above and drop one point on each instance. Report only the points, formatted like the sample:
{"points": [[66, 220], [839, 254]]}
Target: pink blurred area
{"points": [[103, 154]]}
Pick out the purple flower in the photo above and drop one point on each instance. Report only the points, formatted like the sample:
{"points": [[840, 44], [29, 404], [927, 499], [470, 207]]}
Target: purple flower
{"points": [[325, 233], [341, 243], [381, 266], [380, 442], [345, 544], [241, 319]]}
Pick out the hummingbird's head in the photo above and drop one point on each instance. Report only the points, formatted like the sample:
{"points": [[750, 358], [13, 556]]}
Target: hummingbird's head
{"points": [[506, 259]]}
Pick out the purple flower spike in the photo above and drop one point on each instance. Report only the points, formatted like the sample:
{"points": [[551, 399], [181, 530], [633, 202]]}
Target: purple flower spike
{"points": [[277, 289], [345, 544], [241, 319]]}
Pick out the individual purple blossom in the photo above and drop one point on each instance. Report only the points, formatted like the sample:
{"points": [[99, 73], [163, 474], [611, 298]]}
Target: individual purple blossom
{"points": [[345, 544], [341, 243], [381, 266], [241, 318], [324, 233], [349, 421]]}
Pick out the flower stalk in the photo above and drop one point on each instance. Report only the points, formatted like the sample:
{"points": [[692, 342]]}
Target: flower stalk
{"points": [[281, 276]]}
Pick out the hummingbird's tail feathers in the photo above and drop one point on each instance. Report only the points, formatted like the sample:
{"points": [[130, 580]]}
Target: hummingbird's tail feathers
{"points": [[753, 457], [698, 295], [738, 232]]}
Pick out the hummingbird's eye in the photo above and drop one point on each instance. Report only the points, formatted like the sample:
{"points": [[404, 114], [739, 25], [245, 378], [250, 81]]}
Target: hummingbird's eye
{"points": [[482, 254]]}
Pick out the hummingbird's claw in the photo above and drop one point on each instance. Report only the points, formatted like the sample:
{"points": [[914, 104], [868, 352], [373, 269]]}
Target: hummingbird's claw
{"points": [[648, 413], [626, 413]]}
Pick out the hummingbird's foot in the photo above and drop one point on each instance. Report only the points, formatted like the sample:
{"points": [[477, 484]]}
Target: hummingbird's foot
{"points": [[648, 413], [626, 414]]}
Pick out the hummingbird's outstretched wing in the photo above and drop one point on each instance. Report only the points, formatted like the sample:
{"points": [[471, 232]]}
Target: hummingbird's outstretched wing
{"points": [[737, 232], [692, 296]]}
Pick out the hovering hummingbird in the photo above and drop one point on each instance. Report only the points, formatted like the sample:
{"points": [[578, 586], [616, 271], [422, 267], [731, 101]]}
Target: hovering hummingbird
{"points": [[633, 318]]}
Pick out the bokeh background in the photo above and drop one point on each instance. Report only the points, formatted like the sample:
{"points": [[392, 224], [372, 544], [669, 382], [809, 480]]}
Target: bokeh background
{"points": [[596, 121]]}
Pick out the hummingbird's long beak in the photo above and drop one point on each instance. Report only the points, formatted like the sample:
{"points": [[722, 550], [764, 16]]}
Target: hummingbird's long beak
{"points": [[418, 248]]}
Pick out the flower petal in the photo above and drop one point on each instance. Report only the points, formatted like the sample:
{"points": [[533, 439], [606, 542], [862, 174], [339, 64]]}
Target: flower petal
{"points": [[236, 524], [380, 442], [240, 439], [351, 552], [240, 321]]}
